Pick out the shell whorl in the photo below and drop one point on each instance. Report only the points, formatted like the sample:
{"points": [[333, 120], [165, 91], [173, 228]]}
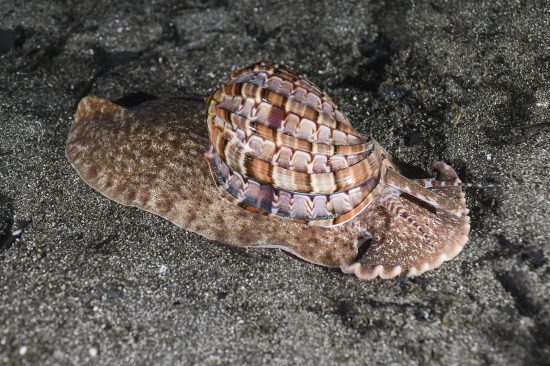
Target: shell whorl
{"points": [[280, 146]]}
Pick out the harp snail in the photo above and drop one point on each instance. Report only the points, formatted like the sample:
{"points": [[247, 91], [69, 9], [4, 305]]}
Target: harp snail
{"points": [[283, 167]]}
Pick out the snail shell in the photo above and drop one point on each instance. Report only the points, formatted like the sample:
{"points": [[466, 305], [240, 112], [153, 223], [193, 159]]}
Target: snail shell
{"points": [[280, 146]]}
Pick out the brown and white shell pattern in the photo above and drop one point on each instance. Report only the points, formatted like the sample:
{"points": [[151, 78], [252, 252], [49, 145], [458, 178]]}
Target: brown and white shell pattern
{"points": [[280, 146]]}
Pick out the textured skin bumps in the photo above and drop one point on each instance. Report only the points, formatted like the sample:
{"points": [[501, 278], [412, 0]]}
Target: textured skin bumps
{"points": [[153, 157]]}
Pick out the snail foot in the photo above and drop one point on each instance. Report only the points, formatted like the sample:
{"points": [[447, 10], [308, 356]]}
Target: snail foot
{"points": [[409, 237]]}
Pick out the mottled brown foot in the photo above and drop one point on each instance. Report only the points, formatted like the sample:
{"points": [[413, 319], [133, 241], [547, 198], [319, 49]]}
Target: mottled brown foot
{"points": [[409, 235]]}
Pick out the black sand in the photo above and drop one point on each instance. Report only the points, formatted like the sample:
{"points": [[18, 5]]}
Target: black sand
{"points": [[87, 281]]}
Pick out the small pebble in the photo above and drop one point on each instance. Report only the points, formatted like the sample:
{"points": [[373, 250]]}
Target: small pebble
{"points": [[93, 352]]}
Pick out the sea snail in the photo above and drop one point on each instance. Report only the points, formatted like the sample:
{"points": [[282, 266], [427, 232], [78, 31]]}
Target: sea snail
{"points": [[276, 164]]}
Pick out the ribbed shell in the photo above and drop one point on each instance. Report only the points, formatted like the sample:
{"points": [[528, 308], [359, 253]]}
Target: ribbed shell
{"points": [[280, 146]]}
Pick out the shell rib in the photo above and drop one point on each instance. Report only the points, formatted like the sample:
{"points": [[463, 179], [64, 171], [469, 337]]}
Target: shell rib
{"points": [[280, 146]]}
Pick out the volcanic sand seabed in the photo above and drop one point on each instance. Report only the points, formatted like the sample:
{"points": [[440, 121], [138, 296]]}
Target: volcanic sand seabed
{"points": [[90, 281]]}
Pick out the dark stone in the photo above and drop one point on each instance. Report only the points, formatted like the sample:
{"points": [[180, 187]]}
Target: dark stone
{"points": [[11, 39], [220, 295], [114, 293], [413, 138]]}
